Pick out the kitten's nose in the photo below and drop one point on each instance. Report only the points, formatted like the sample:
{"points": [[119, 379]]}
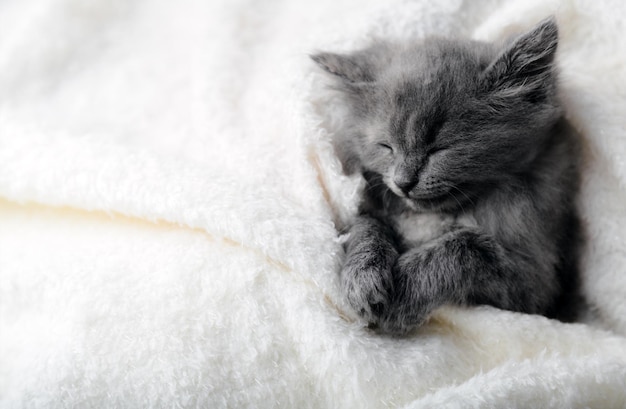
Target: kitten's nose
{"points": [[406, 173], [405, 184]]}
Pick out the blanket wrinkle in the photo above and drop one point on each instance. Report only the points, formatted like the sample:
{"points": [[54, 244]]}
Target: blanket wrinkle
{"points": [[143, 176], [170, 204]]}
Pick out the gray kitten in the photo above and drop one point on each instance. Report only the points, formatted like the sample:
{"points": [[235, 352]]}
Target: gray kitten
{"points": [[471, 177]]}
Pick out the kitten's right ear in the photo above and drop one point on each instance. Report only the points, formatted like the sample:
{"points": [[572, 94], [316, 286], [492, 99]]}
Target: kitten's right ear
{"points": [[527, 62], [351, 69]]}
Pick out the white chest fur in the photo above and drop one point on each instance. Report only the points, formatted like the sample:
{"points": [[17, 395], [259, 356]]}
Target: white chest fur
{"points": [[419, 228]]}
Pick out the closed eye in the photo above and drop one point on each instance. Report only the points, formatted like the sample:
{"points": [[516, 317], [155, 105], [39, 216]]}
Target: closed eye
{"points": [[436, 149], [385, 146]]}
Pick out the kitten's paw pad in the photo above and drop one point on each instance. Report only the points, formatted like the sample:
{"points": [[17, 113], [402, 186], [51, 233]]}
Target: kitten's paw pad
{"points": [[377, 309], [397, 324], [367, 291]]}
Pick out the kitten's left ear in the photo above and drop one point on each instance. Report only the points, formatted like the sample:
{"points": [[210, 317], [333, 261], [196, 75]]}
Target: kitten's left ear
{"points": [[528, 61], [352, 69]]}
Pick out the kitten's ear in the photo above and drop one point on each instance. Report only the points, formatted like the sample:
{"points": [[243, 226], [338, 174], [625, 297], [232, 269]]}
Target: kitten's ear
{"points": [[351, 69], [527, 61]]}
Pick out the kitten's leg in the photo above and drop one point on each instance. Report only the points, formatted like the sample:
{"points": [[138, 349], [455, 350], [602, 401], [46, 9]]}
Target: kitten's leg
{"points": [[463, 266], [366, 277]]}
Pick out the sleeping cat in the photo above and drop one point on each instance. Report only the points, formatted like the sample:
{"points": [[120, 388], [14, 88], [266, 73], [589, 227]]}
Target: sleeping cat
{"points": [[471, 176]]}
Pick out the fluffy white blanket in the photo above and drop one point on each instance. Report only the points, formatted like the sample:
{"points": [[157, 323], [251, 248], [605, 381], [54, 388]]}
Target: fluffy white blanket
{"points": [[170, 201]]}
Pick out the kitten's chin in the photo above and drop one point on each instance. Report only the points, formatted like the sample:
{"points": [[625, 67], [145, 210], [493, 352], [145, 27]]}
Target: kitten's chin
{"points": [[443, 203], [432, 205], [419, 205]]}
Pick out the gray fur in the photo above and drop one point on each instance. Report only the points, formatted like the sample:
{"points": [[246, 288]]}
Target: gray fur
{"points": [[470, 137]]}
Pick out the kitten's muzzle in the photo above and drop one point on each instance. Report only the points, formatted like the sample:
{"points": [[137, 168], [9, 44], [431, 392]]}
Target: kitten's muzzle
{"points": [[406, 174], [404, 184]]}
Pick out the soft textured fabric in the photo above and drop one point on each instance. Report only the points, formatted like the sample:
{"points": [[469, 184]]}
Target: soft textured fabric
{"points": [[170, 206]]}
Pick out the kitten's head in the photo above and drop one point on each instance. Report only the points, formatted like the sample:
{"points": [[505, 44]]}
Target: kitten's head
{"points": [[442, 120]]}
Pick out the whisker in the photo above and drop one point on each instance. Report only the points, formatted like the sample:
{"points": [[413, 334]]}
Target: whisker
{"points": [[457, 200], [386, 201], [469, 199], [376, 185]]}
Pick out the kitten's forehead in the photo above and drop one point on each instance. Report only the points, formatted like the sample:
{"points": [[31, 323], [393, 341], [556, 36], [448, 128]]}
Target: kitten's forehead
{"points": [[435, 69], [425, 84]]}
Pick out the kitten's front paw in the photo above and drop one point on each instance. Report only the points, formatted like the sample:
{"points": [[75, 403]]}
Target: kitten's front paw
{"points": [[367, 289], [403, 315], [411, 301], [399, 320]]}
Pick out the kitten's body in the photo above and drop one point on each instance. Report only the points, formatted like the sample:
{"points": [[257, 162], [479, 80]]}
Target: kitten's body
{"points": [[471, 177]]}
